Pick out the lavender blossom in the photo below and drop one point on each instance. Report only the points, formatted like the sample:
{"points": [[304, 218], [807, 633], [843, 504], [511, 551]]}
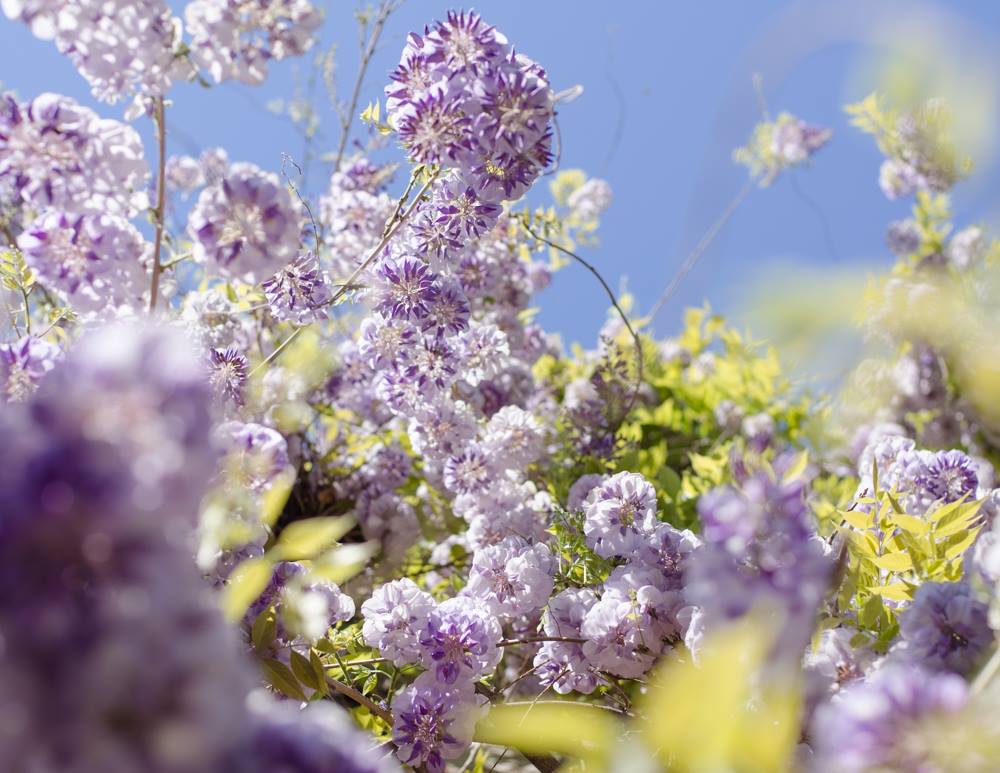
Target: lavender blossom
{"points": [[228, 373], [460, 641], [62, 155], [255, 455], [945, 628], [562, 664], [395, 616], [299, 292], [321, 738], [246, 226], [23, 363], [511, 578], [618, 514], [236, 39], [433, 723], [873, 724]]}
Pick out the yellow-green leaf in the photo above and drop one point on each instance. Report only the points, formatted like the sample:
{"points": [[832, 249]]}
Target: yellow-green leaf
{"points": [[893, 562], [245, 585], [282, 679], [305, 540], [910, 523], [896, 591]]}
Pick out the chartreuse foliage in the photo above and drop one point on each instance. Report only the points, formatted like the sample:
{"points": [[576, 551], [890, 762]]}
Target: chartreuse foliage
{"points": [[694, 716]]}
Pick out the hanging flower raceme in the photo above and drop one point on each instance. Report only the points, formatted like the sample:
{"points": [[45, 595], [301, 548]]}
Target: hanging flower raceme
{"points": [[60, 154], [246, 226]]}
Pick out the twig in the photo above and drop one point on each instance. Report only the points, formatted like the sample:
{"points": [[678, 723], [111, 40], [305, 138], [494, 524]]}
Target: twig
{"points": [[288, 181], [537, 639], [546, 763], [349, 283], [363, 700], [614, 302], [700, 248], [161, 141], [988, 673], [345, 119]]}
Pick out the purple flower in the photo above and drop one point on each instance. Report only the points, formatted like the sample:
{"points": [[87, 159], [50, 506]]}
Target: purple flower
{"points": [[511, 578], [616, 640], [228, 373], [62, 155], [470, 472], [618, 514], [310, 605], [835, 663], [485, 353], [93, 261], [433, 722], [237, 40], [873, 724], [433, 366], [246, 226], [449, 311], [944, 628], [761, 551], [387, 345], [464, 42], [255, 455], [389, 519], [514, 437], [395, 616], [460, 640], [461, 212], [516, 109], [563, 664], [119, 46], [668, 550], [321, 738], [118, 429], [794, 140], [436, 129], [407, 289], [948, 476], [903, 237], [898, 179], [23, 363], [299, 292]]}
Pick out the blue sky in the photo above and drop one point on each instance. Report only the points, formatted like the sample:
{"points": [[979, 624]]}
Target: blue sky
{"points": [[667, 95]]}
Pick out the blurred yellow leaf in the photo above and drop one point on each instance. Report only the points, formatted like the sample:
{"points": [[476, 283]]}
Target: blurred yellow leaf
{"points": [[245, 585]]}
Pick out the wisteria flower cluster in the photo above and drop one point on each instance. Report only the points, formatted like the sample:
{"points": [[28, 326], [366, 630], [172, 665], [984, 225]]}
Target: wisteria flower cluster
{"points": [[299, 484]]}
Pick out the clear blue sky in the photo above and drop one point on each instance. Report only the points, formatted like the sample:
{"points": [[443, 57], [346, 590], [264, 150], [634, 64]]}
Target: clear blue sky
{"points": [[667, 96]]}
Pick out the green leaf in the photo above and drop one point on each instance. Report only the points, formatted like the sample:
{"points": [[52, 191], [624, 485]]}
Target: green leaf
{"points": [[871, 612], [305, 540], [280, 677], [893, 562], [955, 550], [245, 585], [910, 523], [858, 519], [370, 684], [303, 670], [896, 591], [798, 466]]}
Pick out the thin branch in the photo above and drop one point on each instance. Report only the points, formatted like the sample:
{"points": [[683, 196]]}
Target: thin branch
{"points": [[696, 253], [347, 117], [546, 763], [349, 283], [161, 142], [538, 639], [614, 302], [363, 700]]}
